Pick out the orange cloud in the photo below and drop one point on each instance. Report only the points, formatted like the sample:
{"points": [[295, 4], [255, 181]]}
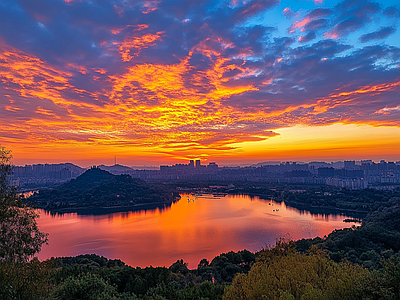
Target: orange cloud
{"points": [[343, 98], [149, 6], [138, 27], [301, 23], [132, 46], [101, 71], [81, 69], [31, 77], [46, 112]]}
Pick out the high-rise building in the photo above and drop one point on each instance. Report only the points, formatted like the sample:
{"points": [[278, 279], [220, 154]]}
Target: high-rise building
{"points": [[349, 164], [198, 163]]}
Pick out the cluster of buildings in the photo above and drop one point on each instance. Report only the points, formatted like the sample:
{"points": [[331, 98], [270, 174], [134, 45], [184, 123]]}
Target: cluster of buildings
{"points": [[179, 171], [43, 174], [349, 174]]}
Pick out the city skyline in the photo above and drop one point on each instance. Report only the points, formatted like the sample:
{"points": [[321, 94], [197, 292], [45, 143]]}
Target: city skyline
{"points": [[195, 163], [349, 174], [234, 82]]}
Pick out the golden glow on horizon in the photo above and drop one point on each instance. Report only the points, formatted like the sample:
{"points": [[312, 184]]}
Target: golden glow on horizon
{"points": [[333, 142]]}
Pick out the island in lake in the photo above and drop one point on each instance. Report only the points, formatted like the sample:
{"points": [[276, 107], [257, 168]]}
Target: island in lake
{"points": [[97, 188]]}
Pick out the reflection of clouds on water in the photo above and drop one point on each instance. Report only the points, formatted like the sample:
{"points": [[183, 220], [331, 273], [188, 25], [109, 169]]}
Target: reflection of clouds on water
{"points": [[185, 230]]}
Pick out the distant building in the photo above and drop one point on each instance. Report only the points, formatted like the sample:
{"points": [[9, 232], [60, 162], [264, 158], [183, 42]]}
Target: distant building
{"points": [[326, 172], [212, 166], [198, 163], [349, 164]]}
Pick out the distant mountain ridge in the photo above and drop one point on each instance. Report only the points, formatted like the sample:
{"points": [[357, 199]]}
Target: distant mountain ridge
{"points": [[115, 168], [98, 188]]}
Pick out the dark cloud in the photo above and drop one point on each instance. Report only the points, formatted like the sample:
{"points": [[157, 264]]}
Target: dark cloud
{"points": [[319, 13], [288, 12], [362, 9], [377, 35], [353, 15], [254, 7], [308, 37], [392, 11], [316, 25]]}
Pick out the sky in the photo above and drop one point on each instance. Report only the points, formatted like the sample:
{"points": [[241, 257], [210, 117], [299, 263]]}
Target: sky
{"points": [[234, 82]]}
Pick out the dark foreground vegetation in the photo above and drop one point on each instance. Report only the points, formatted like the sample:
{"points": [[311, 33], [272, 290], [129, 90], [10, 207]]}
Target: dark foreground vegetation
{"points": [[354, 263], [277, 273]]}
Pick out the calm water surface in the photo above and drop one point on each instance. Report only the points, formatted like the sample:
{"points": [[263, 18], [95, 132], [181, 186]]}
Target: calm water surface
{"points": [[188, 229]]}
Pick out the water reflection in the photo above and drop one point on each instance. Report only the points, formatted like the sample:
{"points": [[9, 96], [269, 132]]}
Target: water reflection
{"points": [[98, 211], [190, 229]]}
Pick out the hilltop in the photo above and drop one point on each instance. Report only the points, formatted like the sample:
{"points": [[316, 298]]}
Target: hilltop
{"points": [[98, 188]]}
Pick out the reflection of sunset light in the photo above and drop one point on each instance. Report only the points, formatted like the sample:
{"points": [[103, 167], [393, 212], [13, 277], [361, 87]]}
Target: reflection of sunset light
{"points": [[189, 230]]}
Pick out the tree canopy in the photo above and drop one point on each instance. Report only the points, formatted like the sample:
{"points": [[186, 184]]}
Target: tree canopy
{"points": [[20, 237]]}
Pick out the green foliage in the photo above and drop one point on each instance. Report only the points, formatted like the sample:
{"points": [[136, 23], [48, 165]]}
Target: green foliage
{"points": [[203, 291], [225, 266], [30, 280], [179, 267], [367, 200], [376, 240], [86, 287], [281, 273], [20, 237], [5, 170], [384, 283]]}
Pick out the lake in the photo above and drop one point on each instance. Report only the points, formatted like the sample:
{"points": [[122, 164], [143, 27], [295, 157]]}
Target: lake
{"points": [[191, 229]]}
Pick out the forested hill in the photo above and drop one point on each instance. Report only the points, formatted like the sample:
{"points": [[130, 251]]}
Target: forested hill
{"points": [[99, 188]]}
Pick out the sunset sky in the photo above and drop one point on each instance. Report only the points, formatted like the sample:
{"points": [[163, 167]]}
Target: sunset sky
{"points": [[236, 81]]}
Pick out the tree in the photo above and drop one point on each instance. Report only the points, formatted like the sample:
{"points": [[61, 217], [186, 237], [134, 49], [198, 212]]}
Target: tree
{"points": [[282, 273], [86, 287], [20, 237]]}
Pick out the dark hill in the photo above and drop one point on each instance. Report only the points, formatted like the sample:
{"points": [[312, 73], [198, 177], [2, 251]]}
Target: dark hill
{"points": [[91, 176], [98, 188]]}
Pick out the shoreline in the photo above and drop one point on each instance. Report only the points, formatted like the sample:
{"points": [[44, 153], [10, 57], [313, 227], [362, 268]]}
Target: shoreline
{"points": [[117, 208]]}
